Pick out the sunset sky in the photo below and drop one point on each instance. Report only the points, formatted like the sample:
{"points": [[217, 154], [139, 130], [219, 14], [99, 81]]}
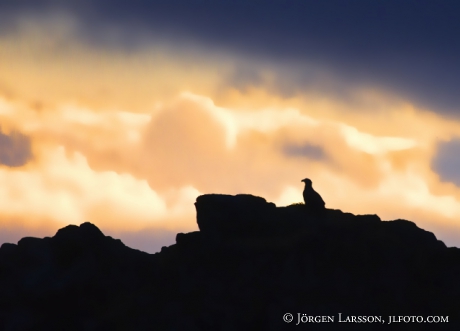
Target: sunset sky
{"points": [[121, 113]]}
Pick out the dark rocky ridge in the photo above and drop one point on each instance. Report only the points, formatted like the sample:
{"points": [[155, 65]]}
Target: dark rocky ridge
{"points": [[250, 263]]}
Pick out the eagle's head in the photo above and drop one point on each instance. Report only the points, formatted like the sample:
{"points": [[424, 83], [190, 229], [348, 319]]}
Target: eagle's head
{"points": [[307, 181]]}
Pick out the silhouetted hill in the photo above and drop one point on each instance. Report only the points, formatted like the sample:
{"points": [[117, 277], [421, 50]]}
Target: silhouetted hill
{"points": [[249, 265]]}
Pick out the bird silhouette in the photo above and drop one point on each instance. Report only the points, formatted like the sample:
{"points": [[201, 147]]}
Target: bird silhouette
{"points": [[313, 200]]}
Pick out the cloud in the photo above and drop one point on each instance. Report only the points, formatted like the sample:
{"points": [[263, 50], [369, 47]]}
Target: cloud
{"points": [[386, 44], [374, 145], [262, 120], [64, 189], [447, 161], [15, 149], [125, 186], [111, 127], [184, 144], [305, 150], [47, 65]]}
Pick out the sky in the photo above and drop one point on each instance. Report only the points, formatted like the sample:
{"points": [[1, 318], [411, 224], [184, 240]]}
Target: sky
{"points": [[121, 113]]}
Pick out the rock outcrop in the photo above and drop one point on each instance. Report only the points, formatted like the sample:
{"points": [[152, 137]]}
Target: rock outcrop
{"points": [[239, 215], [250, 263]]}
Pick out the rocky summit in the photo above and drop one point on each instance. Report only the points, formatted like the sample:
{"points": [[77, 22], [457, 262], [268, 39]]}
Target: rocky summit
{"points": [[251, 266]]}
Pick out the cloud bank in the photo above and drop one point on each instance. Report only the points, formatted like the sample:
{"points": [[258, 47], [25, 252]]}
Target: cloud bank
{"points": [[408, 47]]}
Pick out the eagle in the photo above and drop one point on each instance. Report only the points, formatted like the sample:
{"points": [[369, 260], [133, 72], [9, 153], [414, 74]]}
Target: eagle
{"points": [[313, 200]]}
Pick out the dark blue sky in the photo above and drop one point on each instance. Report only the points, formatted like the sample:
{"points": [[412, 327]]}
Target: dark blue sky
{"points": [[408, 46]]}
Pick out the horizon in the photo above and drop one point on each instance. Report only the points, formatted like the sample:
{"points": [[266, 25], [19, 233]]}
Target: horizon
{"points": [[122, 114]]}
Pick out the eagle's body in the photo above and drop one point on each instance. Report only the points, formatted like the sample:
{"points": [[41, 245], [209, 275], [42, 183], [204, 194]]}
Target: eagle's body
{"points": [[313, 200]]}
